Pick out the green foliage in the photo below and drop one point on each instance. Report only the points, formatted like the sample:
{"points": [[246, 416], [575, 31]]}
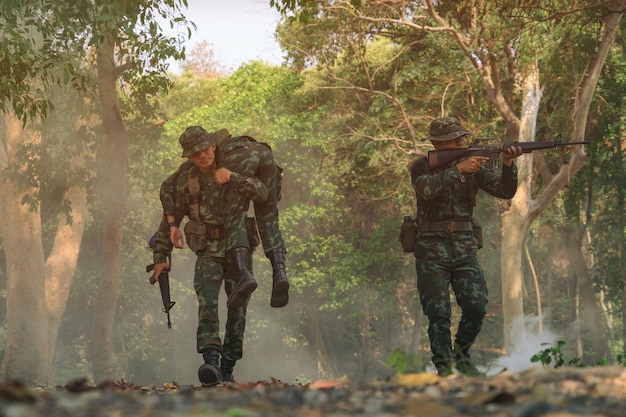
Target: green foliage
{"points": [[344, 121], [302, 380], [46, 44], [405, 363], [555, 357]]}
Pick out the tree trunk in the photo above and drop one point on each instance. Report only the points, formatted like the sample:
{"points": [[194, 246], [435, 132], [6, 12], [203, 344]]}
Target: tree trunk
{"points": [[326, 361], [25, 351], [593, 321], [114, 185], [623, 311], [61, 265], [621, 225], [511, 267], [514, 222], [527, 210], [575, 297], [537, 288]]}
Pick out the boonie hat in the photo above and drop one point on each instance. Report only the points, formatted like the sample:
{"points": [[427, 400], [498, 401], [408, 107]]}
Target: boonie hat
{"points": [[194, 139], [446, 128]]}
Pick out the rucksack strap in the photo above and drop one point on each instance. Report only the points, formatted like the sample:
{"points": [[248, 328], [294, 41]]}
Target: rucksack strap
{"points": [[194, 189], [472, 190]]}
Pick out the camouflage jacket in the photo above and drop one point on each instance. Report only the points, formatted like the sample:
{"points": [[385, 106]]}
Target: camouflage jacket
{"points": [[242, 155], [220, 206], [249, 158], [446, 195]]}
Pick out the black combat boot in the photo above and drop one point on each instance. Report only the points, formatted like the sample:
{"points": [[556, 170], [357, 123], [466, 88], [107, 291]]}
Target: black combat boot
{"points": [[237, 261], [209, 372], [443, 369], [464, 363], [280, 285], [227, 371]]}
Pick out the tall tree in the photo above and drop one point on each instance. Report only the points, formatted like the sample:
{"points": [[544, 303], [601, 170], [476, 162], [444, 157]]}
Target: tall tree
{"points": [[130, 53], [25, 352], [500, 41]]}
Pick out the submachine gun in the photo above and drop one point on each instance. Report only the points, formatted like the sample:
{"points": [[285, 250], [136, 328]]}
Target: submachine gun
{"points": [[164, 285], [491, 148]]}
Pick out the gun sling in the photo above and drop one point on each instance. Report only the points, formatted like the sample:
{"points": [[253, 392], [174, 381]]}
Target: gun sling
{"points": [[445, 226]]}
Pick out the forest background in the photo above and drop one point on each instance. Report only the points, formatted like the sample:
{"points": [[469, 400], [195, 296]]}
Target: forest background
{"points": [[90, 122]]}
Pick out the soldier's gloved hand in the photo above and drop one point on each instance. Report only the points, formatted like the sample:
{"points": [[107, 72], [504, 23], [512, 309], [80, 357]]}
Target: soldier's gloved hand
{"points": [[222, 176]]}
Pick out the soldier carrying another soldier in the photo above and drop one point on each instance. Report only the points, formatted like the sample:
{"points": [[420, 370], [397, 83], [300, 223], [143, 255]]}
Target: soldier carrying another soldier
{"points": [[245, 156], [216, 201]]}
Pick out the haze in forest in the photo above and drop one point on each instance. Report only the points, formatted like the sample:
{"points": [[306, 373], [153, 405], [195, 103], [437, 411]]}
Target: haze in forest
{"points": [[97, 131]]}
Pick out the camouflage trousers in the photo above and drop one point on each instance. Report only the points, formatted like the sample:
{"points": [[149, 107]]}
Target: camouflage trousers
{"points": [[442, 262], [269, 229], [255, 159], [209, 274]]}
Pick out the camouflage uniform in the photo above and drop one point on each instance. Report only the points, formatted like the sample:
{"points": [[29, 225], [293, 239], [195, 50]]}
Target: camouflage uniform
{"points": [[247, 157], [220, 208], [449, 258]]}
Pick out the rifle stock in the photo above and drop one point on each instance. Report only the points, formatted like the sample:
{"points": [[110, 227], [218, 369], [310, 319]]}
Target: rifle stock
{"points": [[444, 157]]}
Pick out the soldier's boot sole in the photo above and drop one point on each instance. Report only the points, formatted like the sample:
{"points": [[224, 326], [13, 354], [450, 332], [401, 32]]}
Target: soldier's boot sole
{"points": [[209, 374], [241, 293], [280, 292]]}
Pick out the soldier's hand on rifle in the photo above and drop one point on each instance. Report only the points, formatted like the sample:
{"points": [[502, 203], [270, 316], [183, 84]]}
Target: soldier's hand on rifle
{"points": [[510, 154], [471, 164], [222, 176], [158, 268]]}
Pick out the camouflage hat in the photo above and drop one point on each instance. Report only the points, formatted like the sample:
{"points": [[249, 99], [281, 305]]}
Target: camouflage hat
{"points": [[194, 139], [446, 128]]}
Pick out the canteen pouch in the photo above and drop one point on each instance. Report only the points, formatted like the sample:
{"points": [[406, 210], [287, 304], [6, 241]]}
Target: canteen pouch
{"points": [[196, 235], [253, 233], [408, 233], [478, 233]]}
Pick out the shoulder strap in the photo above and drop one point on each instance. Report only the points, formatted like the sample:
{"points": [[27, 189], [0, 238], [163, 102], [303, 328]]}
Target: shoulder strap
{"points": [[194, 189], [473, 190], [430, 203]]}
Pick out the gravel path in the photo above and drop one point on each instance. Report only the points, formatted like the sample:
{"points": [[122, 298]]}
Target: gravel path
{"points": [[598, 391]]}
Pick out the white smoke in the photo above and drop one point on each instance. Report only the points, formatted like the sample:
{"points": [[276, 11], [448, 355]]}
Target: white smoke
{"points": [[530, 338]]}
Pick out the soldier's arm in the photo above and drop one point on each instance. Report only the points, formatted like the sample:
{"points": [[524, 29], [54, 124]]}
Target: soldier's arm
{"points": [[501, 186], [175, 201], [168, 188], [176, 236], [249, 187], [162, 246], [427, 184]]}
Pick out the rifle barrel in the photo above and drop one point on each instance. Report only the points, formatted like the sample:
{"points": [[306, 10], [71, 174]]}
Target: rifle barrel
{"points": [[535, 146], [443, 157]]}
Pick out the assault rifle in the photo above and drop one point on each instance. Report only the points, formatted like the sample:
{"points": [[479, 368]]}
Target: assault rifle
{"points": [[489, 147], [164, 284]]}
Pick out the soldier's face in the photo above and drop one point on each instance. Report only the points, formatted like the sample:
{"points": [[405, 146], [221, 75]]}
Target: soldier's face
{"points": [[459, 142], [205, 158]]}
